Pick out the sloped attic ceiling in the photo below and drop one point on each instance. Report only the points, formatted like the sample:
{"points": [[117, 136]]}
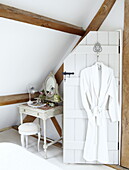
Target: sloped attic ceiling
{"points": [[28, 53], [75, 12]]}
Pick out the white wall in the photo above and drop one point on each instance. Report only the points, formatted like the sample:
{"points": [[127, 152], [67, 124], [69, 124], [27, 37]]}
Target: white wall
{"points": [[27, 54], [9, 115]]}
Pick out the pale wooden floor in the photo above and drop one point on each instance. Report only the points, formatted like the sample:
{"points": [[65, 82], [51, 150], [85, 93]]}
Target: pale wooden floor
{"points": [[54, 153]]}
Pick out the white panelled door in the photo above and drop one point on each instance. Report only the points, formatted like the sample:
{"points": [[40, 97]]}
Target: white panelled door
{"points": [[75, 118]]}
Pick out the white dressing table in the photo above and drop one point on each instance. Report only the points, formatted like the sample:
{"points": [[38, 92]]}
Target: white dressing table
{"points": [[42, 113], [51, 95]]}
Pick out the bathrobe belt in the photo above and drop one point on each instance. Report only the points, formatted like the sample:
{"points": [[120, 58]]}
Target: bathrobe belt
{"points": [[97, 112]]}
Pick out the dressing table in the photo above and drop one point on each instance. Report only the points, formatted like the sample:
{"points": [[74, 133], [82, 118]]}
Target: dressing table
{"points": [[44, 112]]}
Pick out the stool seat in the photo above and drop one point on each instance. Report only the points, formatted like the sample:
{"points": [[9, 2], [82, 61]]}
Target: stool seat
{"points": [[29, 128]]}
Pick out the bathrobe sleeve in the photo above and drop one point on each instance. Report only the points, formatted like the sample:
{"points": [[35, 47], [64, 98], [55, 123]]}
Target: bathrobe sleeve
{"points": [[84, 94], [113, 100]]}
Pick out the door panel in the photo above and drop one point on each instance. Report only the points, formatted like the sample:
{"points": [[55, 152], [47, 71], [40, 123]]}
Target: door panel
{"points": [[79, 64], [80, 125], [75, 118]]}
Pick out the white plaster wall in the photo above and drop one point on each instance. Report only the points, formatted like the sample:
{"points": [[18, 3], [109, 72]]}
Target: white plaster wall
{"points": [[27, 54], [9, 115]]}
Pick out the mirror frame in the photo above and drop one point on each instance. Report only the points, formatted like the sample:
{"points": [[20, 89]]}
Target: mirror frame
{"points": [[51, 75]]}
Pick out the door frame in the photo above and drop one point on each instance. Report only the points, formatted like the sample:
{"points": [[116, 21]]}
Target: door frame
{"points": [[120, 90]]}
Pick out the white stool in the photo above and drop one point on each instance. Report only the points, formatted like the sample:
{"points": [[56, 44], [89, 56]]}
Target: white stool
{"points": [[27, 129]]}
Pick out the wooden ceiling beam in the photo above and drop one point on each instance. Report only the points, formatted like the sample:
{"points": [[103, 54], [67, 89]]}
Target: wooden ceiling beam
{"points": [[39, 20], [59, 75], [16, 98], [99, 18]]}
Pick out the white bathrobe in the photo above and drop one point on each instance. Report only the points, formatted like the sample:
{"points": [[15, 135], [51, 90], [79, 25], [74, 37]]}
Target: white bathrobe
{"points": [[99, 93]]}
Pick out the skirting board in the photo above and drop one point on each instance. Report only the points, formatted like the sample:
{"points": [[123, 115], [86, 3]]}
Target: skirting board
{"points": [[4, 129]]}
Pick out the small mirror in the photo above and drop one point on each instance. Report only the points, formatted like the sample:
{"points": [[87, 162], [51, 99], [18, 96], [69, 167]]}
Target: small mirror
{"points": [[50, 90], [50, 86]]}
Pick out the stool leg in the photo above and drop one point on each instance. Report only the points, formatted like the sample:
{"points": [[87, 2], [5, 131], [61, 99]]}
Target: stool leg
{"points": [[26, 141], [38, 140], [22, 141]]}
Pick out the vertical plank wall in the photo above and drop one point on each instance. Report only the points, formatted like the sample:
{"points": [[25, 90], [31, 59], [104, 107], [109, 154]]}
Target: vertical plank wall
{"points": [[75, 118]]}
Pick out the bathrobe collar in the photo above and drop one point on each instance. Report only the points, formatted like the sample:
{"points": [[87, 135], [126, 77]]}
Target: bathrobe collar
{"points": [[98, 87]]}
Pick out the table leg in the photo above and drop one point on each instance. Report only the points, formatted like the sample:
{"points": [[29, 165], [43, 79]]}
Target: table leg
{"points": [[41, 125], [45, 139], [21, 120]]}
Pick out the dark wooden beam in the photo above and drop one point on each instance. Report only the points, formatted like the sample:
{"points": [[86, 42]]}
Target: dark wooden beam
{"points": [[99, 18], [29, 118], [59, 75], [39, 20], [57, 126], [16, 98], [125, 92]]}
